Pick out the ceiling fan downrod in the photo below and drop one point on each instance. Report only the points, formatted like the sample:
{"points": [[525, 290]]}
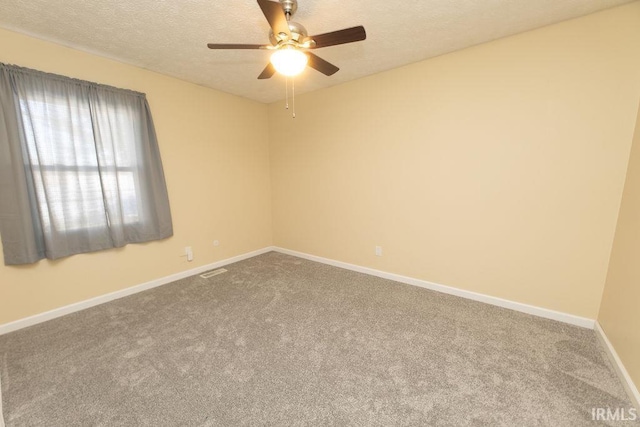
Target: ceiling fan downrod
{"points": [[290, 7]]}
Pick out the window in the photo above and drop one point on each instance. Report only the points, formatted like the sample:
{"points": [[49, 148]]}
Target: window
{"points": [[88, 162], [69, 183]]}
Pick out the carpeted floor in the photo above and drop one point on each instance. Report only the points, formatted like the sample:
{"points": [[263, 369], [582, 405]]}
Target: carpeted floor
{"points": [[278, 340]]}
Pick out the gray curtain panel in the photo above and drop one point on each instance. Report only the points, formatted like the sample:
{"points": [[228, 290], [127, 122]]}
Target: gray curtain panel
{"points": [[80, 168]]}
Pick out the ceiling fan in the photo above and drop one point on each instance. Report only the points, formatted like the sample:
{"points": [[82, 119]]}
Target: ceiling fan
{"points": [[290, 41]]}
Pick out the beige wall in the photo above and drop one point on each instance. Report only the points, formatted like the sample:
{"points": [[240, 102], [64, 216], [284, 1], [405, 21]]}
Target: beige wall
{"points": [[215, 153], [498, 169], [619, 314]]}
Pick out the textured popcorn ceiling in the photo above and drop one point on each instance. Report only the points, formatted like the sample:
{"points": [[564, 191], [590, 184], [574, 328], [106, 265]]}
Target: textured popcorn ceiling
{"points": [[170, 37]]}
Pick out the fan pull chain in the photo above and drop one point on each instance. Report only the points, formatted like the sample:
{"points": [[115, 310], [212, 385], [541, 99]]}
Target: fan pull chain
{"points": [[286, 93], [293, 95]]}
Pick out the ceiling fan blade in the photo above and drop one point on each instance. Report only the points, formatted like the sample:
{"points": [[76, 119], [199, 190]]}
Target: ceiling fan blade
{"points": [[236, 46], [348, 35], [268, 71], [321, 65], [274, 13]]}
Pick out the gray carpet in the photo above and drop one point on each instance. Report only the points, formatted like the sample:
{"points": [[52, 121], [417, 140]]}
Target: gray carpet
{"points": [[278, 340]]}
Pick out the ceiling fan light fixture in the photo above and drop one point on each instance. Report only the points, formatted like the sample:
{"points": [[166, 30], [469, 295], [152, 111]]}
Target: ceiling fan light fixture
{"points": [[289, 61]]}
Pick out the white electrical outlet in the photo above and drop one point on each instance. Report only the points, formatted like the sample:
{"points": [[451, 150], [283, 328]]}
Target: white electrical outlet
{"points": [[188, 253], [378, 250]]}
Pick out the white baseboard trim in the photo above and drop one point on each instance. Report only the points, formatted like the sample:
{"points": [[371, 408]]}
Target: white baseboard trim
{"points": [[72, 308], [625, 378], [1, 416], [512, 305]]}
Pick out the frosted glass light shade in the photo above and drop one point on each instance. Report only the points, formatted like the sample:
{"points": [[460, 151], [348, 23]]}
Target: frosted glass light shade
{"points": [[289, 62]]}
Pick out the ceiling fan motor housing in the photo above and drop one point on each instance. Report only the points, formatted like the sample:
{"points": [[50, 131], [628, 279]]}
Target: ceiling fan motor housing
{"points": [[298, 34]]}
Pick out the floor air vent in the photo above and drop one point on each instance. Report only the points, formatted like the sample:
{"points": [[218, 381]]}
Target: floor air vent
{"points": [[213, 273]]}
